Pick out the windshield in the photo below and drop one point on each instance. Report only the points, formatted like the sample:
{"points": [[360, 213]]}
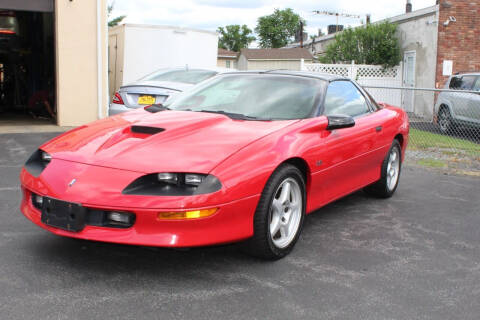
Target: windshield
{"points": [[8, 24], [258, 96], [191, 76]]}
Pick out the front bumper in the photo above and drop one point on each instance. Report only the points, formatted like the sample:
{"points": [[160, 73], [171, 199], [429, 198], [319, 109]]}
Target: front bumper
{"points": [[97, 189], [232, 222]]}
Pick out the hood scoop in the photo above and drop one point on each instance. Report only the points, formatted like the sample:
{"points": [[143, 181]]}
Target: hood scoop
{"points": [[146, 130]]}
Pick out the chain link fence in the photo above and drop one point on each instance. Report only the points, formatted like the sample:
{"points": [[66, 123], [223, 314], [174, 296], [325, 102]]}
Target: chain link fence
{"points": [[444, 124]]}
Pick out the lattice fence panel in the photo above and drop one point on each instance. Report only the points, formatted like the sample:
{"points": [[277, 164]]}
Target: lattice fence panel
{"points": [[340, 70]]}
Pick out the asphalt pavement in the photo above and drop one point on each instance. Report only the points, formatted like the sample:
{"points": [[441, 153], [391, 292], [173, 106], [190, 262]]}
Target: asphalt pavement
{"points": [[414, 256]]}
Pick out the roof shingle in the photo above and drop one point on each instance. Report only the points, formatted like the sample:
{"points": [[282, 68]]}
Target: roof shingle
{"points": [[277, 54], [226, 53]]}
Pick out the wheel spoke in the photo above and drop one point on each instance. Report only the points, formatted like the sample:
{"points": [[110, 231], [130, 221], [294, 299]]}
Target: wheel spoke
{"points": [[294, 206], [285, 194], [275, 224], [284, 231], [276, 206]]}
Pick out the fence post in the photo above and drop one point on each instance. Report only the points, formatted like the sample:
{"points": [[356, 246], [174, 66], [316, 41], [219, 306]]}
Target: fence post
{"points": [[353, 70]]}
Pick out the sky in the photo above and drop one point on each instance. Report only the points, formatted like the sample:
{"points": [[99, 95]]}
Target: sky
{"points": [[211, 14]]}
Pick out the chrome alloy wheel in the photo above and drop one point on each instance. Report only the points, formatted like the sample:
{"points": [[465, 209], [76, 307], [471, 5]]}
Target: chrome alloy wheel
{"points": [[285, 213], [393, 168]]}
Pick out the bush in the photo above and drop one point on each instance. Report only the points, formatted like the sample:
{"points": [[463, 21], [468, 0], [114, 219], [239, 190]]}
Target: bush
{"points": [[374, 44]]}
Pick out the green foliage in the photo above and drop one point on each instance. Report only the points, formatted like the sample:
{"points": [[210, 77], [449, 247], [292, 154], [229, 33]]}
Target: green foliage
{"points": [[277, 29], [372, 44], [235, 37], [115, 21]]}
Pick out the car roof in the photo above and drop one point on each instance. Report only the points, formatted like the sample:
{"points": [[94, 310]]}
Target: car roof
{"points": [[467, 74], [307, 74]]}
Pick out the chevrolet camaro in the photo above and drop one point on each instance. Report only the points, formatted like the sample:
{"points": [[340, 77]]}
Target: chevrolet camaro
{"points": [[241, 157]]}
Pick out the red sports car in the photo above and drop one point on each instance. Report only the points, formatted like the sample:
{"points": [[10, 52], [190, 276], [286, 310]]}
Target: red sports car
{"points": [[241, 157]]}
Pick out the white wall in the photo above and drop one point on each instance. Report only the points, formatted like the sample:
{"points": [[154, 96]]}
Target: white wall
{"points": [[421, 35], [148, 48]]}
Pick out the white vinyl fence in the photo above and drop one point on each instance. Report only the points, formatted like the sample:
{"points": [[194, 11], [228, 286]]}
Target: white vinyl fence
{"points": [[366, 75]]}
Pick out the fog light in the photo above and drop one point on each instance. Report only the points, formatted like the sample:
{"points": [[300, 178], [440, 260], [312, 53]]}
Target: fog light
{"points": [[122, 218], [37, 201], [194, 214]]}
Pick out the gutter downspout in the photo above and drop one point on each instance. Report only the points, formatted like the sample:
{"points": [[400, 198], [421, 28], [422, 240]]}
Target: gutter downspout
{"points": [[99, 60]]}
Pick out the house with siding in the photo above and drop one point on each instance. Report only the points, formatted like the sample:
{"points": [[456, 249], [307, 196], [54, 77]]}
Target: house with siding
{"points": [[267, 59], [227, 59]]}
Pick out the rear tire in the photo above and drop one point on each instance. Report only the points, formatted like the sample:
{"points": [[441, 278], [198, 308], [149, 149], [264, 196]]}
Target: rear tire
{"points": [[390, 176], [279, 215]]}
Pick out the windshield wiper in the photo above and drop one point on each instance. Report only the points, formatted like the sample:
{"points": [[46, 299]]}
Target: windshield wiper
{"points": [[232, 115], [154, 108]]}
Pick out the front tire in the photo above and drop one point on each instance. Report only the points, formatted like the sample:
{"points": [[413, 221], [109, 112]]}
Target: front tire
{"points": [[280, 214], [390, 176], [445, 121]]}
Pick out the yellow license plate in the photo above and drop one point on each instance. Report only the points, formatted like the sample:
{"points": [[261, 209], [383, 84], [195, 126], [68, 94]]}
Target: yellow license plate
{"points": [[146, 100]]}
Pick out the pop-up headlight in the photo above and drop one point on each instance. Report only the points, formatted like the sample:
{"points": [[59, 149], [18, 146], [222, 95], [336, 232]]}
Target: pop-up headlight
{"points": [[37, 162], [173, 184]]}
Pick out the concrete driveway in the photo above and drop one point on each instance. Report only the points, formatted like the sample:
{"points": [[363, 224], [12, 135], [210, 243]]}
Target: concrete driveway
{"points": [[414, 256]]}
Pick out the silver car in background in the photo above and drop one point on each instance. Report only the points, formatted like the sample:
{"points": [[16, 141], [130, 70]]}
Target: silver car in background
{"points": [[157, 87], [460, 107]]}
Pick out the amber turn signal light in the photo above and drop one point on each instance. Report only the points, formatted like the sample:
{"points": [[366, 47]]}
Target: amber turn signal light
{"points": [[194, 214]]}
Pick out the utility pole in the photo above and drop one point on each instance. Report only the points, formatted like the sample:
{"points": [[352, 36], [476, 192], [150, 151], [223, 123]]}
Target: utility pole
{"points": [[301, 34]]}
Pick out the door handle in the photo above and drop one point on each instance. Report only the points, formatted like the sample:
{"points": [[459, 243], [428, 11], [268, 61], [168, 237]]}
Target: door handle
{"points": [[378, 129]]}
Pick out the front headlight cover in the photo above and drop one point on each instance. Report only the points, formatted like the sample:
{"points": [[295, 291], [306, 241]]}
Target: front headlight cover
{"points": [[173, 184], [37, 162]]}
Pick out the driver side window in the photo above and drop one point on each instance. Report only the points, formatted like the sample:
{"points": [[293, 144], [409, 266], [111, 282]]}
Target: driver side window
{"points": [[343, 98]]}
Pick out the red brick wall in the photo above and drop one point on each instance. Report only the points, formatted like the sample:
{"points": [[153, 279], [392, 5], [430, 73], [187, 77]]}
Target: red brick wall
{"points": [[460, 40]]}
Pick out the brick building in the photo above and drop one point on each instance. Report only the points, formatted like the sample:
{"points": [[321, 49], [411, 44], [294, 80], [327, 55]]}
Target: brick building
{"points": [[458, 36]]}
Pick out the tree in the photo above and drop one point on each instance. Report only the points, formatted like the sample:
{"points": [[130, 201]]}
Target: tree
{"points": [[235, 37], [277, 29], [115, 21], [371, 44]]}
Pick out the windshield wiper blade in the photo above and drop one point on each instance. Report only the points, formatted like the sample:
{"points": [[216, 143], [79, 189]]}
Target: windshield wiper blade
{"points": [[154, 108], [232, 115]]}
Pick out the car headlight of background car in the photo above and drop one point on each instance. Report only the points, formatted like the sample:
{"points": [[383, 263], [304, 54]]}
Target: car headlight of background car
{"points": [[173, 184], [37, 162]]}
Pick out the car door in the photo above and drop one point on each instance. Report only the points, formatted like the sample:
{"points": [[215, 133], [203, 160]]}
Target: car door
{"points": [[351, 156], [473, 111], [460, 101]]}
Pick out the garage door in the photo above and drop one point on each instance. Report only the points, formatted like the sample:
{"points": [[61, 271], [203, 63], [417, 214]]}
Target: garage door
{"points": [[28, 5]]}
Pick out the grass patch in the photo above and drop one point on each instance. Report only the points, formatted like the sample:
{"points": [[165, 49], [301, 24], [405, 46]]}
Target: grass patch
{"points": [[426, 140], [432, 163]]}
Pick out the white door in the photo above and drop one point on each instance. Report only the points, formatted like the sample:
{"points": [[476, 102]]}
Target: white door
{"points": [[408, 81]]}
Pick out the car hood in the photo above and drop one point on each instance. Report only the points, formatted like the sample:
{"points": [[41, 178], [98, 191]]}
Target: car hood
{"points": [[167, 141], [177, 86]]}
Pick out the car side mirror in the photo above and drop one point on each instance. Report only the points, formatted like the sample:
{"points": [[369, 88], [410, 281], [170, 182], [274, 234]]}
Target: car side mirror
{"points": [[340, 122]]}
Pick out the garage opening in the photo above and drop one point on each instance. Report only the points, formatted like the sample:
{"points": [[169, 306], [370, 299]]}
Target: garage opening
{"points": [[27, 63]]}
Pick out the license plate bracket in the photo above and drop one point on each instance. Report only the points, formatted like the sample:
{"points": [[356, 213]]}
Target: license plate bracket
{"points": [[63, 215]]}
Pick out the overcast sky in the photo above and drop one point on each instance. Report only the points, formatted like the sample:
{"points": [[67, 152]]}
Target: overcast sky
{"points": [[211, 14]]}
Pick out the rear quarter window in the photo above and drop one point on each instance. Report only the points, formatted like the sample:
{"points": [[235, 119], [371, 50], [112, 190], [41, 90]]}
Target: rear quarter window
{"points": [[462, 83]]}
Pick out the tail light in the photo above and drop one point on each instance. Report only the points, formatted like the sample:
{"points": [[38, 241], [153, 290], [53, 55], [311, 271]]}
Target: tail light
{"points": [[117, 99], [7, 32]]}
